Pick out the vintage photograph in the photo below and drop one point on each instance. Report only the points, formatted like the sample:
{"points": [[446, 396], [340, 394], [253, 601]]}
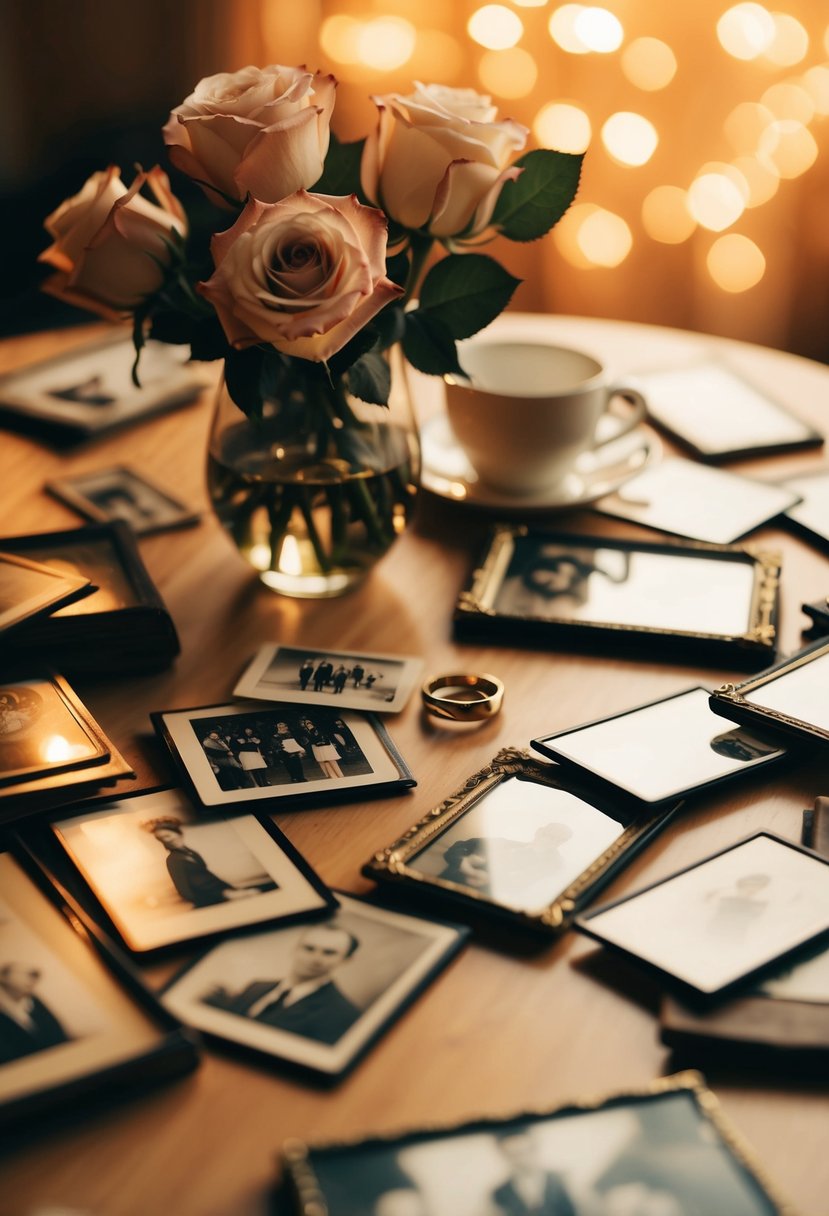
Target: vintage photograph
{"points": [[724, 918], [666, 749], [121, 493], [657, 1155], [28, 588], [164, 874], [315, 995], [347, 679], [790, 697], [250, 752], [43, 731]]}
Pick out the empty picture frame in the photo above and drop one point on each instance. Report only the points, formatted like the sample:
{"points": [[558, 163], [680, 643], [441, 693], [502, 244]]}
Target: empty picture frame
{"points": [[666, 1148], [29, 589], [685, 598], [517, 842], [722, 920], [790, 699], [74, 1019], [661, 751], [103, 495]]}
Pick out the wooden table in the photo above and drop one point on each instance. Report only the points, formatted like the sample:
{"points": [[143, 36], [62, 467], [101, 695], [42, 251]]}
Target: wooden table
{"points": [[496, 1033]]}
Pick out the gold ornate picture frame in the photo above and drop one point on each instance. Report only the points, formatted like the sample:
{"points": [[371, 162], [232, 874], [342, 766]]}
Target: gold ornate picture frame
{"points": [[788, 699]]}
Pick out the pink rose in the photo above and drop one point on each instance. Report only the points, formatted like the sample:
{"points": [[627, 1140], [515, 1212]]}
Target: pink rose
{"points": [[439, 159], [259, 131], [304, 274], [110, 242]]}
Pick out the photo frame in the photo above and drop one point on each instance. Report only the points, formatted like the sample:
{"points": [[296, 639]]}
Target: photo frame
{"points": [[29, 589], [104, 495], [533, 587], [315, 996], [809, 517], [788, 699], [667, 749], [90, 1026], [470, 853], [666, 1147], [160, 874], [818, 614], [732, 917], [317, 675], [239, 755]]}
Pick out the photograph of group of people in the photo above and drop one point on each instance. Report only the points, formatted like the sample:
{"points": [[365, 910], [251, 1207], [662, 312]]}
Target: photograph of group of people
{"points": [[352, 679]]}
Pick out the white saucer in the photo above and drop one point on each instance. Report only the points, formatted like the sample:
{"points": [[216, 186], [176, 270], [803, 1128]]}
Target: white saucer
{"points": [[447, 473]]}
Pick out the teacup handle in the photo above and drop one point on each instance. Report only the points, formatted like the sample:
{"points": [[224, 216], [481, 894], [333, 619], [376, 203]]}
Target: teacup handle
{"points": [[637, 413]]}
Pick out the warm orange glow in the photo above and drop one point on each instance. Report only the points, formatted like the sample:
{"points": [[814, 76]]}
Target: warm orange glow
{"points": [[562, 126], [746, 125], [665, 215], [746, 30], [511, 73], [735, 263], [790, 43], [790, 147], [386, 43], [789, 101], [588, 236], [630, 138], [599, 30], [530, 3], [495, 27], [649, 64], [562, 27], [816, 84], [340, 38], [437, 56], [715, 201], [760, 176]]}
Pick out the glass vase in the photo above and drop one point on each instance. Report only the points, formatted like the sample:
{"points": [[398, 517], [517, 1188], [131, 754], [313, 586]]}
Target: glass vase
{"points": [[315, 491]]}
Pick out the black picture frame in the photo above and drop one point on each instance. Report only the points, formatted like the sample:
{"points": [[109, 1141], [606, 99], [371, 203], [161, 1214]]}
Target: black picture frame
{"points": [[396, 864], [172, 1051], [679, 1145], [160, 512], [371, 742], [601, 772], [517, 552], [801, 518], [732, 700], [55, 590], [818, 614]]}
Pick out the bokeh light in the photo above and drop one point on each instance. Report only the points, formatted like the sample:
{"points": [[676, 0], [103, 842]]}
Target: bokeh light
{"points": [[735, 263], [386, 43], [562, 125], [649, 63], [599, 30], [816, 84], [562, 27], [437, 56], [630, 138], [746, 124], [790, 147], [340, 38], [787, 100], [790, 43], [495, 27], [760, 176], [715, 201], [589, 236], [746, 30], [511, 73], [665, 215]]}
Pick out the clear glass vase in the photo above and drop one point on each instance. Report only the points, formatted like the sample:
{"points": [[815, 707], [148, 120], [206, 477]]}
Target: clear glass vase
{"points": [[317, 490]]}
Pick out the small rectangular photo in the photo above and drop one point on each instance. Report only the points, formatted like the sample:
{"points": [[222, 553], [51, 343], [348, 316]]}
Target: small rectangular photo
{"points": [[664, 750], [29, 589], [345, 679], [315, 995], [724, 919], [811, 515], [249, 752], [789, 699], [121, 493], [165, 875]]}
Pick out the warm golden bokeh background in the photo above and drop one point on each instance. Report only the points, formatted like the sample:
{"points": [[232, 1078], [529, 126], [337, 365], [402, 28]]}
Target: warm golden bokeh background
{"points": [[704, 196]]}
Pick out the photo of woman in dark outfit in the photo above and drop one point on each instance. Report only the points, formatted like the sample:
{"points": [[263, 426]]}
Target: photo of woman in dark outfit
{"points": [[288, 751], [188, 870]]}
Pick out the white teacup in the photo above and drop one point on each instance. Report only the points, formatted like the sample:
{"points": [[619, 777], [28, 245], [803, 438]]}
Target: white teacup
{"points": [[525, 411]]}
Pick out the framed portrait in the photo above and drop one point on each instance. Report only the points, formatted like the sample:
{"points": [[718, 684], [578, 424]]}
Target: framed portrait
{"points": [[315, 996], [29, 589], [74, 1018], [89, 391], [684, 598], [121, 493], [789, 699], [520, 842], [661, 751], [246, 752], [164, 875], [347, 679], [666, 1149], [725, 919]]}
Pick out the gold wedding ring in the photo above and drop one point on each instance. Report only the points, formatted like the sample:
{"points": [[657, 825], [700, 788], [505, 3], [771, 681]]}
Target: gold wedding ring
{"points": [[463, 698]]}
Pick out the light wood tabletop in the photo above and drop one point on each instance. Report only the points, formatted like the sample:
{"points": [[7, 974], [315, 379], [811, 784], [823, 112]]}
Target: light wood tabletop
{"points": [[498, 1032]]}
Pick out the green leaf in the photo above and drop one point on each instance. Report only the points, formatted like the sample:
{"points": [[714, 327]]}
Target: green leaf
{"points": [[207, 340], [530, 206], [429, 345], [397, 268], [370, 379], [465, 291], [389, 324], [243, 370], [173, 327], [360, 344], [341, 171], [139, 318]]}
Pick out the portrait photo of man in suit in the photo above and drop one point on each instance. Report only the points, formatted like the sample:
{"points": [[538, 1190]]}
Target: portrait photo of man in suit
{"points": [[27, 1024], [530, 1189], [306, 1001]]}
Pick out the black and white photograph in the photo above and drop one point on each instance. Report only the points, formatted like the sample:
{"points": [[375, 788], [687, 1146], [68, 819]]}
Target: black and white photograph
{"points": [[663, 750], [723, 919], [665, 1154], [43, 732], [811, 515], [165, 875], [122, 493], [314, 995], [250, 752], [674, 595], [30, 588], [346, 679], [790, 697]]}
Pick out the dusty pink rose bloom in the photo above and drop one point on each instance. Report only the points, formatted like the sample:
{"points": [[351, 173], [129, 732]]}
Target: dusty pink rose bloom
{"points": [[259, 131], [304, 274], [439, 158], [109, 241]]}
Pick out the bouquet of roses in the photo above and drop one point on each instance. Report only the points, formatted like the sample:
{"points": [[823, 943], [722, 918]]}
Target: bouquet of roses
{"points": [[320, 266]]}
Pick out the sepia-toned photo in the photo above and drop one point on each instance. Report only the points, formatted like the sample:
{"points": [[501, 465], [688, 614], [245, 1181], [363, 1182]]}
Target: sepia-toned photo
{"points": [[28, 588], [347, 679], [121, 493], [724, 918], [315, 995], [666, 749], [165, 875], [250, 752], [645, 1156], [42, 731]]}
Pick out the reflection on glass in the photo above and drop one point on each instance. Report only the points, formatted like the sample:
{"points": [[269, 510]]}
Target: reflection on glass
{"points": [[802, 693], [37, 731]]}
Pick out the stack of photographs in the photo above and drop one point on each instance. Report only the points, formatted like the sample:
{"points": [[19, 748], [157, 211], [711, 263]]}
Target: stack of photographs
{"points": [[29, 590], [789, 700], [122, 627]]}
